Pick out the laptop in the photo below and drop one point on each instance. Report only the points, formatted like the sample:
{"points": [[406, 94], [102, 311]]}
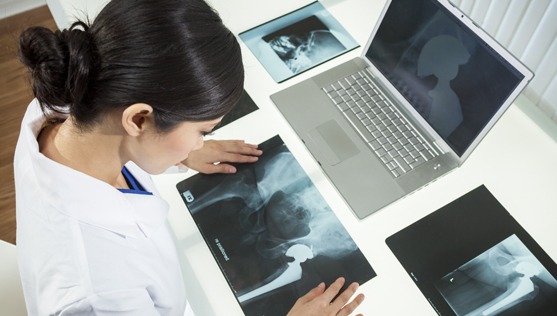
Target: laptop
{"points": [[427, 88]]}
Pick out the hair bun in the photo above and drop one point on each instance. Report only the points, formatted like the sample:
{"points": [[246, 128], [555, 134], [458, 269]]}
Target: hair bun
{"points": [[61, 64], [45, 56]]}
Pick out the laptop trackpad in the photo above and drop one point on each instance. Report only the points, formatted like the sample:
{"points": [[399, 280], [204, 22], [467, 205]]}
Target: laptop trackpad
{"points": [[331, 143]]}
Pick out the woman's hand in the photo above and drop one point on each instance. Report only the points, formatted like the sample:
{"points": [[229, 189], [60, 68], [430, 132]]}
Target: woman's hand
{"points": [[319, 302], [214, 155]]}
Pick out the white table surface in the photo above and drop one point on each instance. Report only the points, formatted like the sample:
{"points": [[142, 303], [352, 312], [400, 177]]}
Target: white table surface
{"points": [[11, 292], [517, 162]]}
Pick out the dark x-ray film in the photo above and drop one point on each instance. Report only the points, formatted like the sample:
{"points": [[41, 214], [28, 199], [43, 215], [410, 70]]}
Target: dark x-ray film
{"points": [[471, 257], [298, 41], [244, 107], [271, 232]]}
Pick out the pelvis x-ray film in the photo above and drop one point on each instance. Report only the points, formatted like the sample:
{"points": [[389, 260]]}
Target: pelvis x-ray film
{"points": [[271, 232], [471, 258]]}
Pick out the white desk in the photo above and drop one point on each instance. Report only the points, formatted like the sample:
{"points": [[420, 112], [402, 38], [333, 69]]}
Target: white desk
{"points": [[517, 161], [11, 292]]}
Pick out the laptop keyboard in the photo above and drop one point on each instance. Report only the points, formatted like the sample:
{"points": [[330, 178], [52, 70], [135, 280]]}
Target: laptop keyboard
{"points": [[390, 136]]}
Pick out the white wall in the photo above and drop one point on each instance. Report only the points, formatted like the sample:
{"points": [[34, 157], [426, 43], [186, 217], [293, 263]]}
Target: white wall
{"points": [[528, 29], [13, 7]]}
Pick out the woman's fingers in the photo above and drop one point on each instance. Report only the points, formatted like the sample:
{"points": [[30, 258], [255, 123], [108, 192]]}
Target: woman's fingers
{"points": [[342, 303], [333, 290], [350, 307]]}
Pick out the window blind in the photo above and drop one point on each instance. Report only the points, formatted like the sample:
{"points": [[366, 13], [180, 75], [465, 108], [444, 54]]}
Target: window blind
{"points": [[528, 29]]}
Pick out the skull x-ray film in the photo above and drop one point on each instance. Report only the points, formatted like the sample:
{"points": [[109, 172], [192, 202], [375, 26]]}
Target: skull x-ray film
{"points": [[271, 232], [472, 258], [298, 41]]}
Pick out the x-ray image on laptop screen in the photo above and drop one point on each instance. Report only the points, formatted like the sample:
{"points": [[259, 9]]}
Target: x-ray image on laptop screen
{"points": [[450, 76]]}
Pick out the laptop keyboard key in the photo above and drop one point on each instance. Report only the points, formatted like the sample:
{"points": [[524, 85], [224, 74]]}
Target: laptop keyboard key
{"points": [[379, 123], [401, 163], [359, 126]]}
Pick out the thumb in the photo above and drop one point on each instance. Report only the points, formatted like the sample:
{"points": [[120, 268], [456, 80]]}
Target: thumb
{"points": [[217, 168]]}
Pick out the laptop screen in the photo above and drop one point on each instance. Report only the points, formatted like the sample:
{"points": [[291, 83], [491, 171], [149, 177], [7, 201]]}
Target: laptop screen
{"points": [[453, 79]]}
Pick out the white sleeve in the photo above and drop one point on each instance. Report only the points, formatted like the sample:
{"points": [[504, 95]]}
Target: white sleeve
{"points": [[181, 168], [129, 302], [189, 311]]}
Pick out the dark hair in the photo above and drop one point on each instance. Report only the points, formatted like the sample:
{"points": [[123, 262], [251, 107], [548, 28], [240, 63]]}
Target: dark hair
{"points": [[176, 56]]}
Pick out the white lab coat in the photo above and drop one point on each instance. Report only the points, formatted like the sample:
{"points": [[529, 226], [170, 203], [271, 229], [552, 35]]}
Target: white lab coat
{"points": [[85, 248]]}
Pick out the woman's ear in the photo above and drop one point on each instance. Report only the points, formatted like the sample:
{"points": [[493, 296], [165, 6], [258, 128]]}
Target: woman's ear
{"points": [[136, 117]]}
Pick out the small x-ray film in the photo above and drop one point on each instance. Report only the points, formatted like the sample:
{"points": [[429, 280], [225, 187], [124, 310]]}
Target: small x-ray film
{"points": [[271, 232], [298, 41], [471, 258]]}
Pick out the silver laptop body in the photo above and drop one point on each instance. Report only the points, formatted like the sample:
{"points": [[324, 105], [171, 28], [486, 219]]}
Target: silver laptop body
{"points": [[431, 69]]}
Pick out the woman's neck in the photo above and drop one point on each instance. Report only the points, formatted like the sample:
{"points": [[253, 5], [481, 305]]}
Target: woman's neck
{"points": [[96, 152]]}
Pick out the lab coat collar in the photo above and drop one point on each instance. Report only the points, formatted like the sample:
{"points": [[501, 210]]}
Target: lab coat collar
{"points": [[89, 200]]}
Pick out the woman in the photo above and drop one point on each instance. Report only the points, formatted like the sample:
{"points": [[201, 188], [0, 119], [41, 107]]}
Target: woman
{"points": [[131, 95]]}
